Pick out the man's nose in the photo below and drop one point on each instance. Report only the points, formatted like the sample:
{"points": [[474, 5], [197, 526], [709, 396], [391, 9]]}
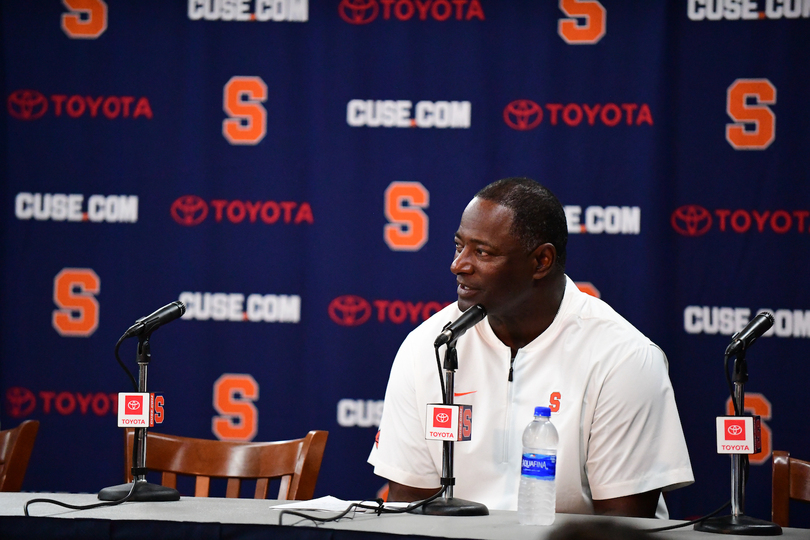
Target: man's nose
{"points": [[461, 262]]}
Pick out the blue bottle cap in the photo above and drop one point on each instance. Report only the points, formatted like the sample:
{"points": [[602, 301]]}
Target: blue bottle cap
{"points": [[542, 411]]}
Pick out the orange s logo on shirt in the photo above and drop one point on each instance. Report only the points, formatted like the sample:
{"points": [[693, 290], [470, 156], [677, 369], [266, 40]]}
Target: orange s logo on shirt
{"points": [[554, 401], [74, 291]]}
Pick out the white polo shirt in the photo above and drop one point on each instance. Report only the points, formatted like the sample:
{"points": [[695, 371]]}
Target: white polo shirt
{"points": [[608, 388]]}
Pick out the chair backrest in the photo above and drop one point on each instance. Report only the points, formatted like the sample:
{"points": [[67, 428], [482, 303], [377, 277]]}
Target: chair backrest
{"points": [[296, 462], [15, 449], [791, 480]]}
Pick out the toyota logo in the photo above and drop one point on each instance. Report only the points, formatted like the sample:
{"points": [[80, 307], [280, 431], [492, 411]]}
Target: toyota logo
{"points": [[734, 430], [349, 310], [523, 114], [358, 11], [189, 210], [21, 402], [691, 220], [442, 417], [27, 104], [133, 405]]}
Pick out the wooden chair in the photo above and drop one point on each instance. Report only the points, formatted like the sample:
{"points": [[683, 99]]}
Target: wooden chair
{"points": [[15, 449], [296, 462], [791, 480]]}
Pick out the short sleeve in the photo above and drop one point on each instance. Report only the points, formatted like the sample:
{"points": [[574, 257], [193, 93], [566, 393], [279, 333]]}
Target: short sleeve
{"points": [[400, 453], [636, 441]]}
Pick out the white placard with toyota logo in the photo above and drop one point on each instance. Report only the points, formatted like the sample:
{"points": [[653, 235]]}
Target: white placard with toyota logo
{"points": [[442, 422], [133, 409], [738, 435]]}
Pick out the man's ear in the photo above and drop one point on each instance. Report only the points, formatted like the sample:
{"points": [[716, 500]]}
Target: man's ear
{"points": [[544, 258]]}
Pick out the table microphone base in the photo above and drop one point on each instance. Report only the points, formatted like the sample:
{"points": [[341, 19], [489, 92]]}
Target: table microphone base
{"points": [[144, 491], [742, 525], [452, 507]]}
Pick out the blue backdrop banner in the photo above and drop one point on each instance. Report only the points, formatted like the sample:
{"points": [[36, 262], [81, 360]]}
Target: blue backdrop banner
{"points": [[294, 172]]}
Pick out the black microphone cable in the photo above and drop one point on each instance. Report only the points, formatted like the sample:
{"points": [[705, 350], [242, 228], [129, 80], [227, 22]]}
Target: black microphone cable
{"points": [[737, 412], [318, 519], [378, 509], [441, 380], [726, 356], [121, 363], [124, 499], [687, 523]]}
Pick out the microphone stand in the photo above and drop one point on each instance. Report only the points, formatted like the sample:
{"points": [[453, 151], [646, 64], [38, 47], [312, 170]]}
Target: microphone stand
{"points": [[143, 490], [447, 505], [738, 522]]}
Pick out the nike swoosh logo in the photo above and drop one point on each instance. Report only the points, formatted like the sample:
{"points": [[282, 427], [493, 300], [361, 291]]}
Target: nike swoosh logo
{"points": [[459, 394]]}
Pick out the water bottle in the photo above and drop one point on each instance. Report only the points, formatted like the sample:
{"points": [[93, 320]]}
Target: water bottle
{"points": [[537, 494]]}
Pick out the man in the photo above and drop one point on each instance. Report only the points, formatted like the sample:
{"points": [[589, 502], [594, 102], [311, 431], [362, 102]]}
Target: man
{"points": [[543, 342]]}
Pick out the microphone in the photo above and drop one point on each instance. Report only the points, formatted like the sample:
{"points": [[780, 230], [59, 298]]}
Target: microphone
{"points": [[456, 329], [746, 337], [150, 323]]}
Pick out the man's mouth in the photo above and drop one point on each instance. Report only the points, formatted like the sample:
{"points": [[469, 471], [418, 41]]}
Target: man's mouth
{"points": [[465, 289]]}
